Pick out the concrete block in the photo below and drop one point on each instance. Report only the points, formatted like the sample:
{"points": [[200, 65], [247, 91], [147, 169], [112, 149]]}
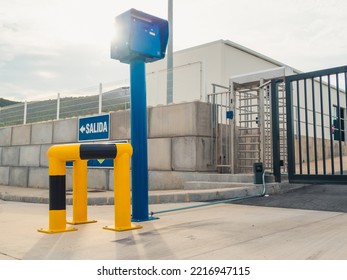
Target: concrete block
{"points": [[98, 178], [21, 135], [43, 155], [18, 176], [42, 133], [204, 162], [4, 175], [172, 120], [203, 119], [38, 178], [111, 179], [184, 154], [65, 131], [120, 125], [68, 178], [165, 180], [191, 154], [184, 119], [29, 155], [10, 156], [159, 154], [5, 136]]}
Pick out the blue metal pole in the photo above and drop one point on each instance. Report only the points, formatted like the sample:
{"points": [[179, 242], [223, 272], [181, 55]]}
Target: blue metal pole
{"points": [[139, 163]]}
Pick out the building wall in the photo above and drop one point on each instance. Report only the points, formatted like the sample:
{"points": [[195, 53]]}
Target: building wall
{"points": [[195, 69], [237, 62], [178, 141]]}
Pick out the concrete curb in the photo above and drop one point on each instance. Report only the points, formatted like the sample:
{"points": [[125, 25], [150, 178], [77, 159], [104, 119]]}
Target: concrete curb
{"points": [[35, 195]]}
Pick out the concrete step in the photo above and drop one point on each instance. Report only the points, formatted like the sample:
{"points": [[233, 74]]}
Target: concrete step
{"points": [[201, 195], [203, 185], [162, 180], [216, 177], [213, 192]]}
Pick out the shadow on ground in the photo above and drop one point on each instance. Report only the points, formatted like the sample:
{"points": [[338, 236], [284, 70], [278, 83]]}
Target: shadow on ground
{"points": [[313, 197]]}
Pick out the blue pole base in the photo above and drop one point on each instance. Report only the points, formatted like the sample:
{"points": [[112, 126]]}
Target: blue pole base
{"points": [[149, 218]]}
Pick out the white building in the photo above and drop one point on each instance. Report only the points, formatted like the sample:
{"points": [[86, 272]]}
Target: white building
{"points": [[196, 68], [221, 62]]}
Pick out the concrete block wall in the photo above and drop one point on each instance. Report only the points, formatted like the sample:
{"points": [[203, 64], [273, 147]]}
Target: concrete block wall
{"points": [[178, 141]]}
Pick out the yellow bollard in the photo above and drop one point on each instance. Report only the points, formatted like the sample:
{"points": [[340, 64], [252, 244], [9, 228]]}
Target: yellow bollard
{"points": [[79, 153], [122, 200], [80, 193], [57, 197]]}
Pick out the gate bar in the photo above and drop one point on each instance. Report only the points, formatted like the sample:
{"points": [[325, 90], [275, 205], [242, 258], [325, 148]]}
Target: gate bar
{"points": [[275, 130], [306, 127], [290, 130], [330, 129], [339, 121], [299, 126], [314, 127], [322, 121]]}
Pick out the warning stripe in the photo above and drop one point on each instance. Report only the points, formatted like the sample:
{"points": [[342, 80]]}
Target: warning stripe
{"points": [[98, 151], [57, 192]]}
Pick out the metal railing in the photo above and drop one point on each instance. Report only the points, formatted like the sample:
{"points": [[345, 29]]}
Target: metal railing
{"points": [[90, 101], [220, 100]]}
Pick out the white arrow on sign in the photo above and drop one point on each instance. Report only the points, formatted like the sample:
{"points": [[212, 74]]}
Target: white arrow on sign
{"points": [[82, 129]]}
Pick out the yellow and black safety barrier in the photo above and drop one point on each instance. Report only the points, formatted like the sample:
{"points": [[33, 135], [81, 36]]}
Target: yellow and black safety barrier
{"points": [[79, 154]]}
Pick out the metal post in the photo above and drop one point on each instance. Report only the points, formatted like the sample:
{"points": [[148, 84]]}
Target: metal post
{"points": [[170, 55], [57, 192], [322, 122], [314, 127], [275, 130], [25, 112], [80, 193], [58, 106], [100, 98], [138, 120], [290, 129], [306, 129], [261, 112], [330, 128], [122, 215], [232, 128], [299, 127], [339, 121]]}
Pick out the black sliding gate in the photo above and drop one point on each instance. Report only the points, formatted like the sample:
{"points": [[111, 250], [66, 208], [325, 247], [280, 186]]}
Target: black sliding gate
{"points": [[316, 126]]}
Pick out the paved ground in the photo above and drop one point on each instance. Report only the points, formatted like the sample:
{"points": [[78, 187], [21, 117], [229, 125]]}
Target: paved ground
{"points": [[223, 231], [313, 197]]}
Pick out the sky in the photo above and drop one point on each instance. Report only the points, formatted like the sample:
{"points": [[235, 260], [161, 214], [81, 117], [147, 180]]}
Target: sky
{"points": [[51, 46]]}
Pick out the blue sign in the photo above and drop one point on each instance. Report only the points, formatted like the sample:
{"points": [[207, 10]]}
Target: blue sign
{"points": [[94, 128], [230, 115], [96, 163]]}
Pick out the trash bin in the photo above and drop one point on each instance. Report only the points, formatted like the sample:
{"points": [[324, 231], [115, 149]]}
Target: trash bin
{"points": [[258, 172]]}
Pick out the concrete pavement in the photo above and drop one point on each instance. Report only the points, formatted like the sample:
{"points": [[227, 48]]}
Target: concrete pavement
{"points": [[311, 197], [223, 231]]}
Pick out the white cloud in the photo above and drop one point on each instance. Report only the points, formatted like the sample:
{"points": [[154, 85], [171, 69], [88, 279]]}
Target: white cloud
{"points": [[46, 74], [54, 45]]}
